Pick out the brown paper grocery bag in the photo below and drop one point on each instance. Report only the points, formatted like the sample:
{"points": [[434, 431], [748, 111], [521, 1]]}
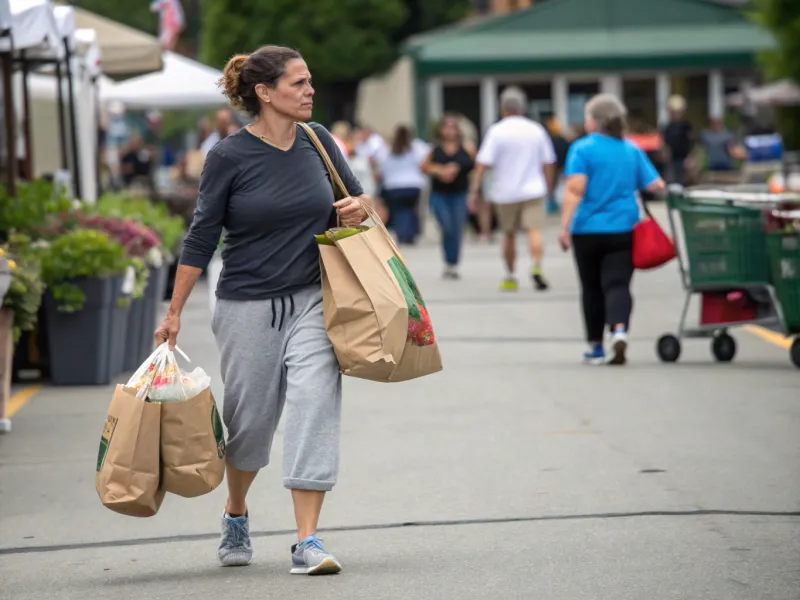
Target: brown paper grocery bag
{"points": [[405, 346], [128, 466], [192, 446], [374, 313]]}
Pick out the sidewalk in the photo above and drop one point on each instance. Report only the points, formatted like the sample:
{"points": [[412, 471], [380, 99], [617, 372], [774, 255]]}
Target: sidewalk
{"points": [[514, 473]]}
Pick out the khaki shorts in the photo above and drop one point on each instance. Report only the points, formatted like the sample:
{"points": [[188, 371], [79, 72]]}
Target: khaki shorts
{"points": [[526, 215]]}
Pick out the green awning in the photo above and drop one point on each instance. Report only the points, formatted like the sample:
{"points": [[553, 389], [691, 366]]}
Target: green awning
{"points": [[656, 47], [595, 34]]}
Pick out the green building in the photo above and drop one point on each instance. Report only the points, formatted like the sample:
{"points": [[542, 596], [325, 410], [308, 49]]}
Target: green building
{"points": [[561, 52]]}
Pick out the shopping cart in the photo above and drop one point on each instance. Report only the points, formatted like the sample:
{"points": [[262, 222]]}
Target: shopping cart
{"points": [[722, 250]]}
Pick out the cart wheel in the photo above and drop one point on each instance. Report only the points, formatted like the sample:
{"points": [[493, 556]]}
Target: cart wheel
{"points": [[723, 347], [794, 352], [668, 348]]}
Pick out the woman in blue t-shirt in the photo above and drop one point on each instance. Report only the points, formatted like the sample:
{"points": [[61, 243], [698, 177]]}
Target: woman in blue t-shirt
{"points": [[600, 207]]}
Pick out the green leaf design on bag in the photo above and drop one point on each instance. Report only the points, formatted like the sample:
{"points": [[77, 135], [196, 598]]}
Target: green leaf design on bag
{"points": [[408, 287], [420, 330], [105, 440]]}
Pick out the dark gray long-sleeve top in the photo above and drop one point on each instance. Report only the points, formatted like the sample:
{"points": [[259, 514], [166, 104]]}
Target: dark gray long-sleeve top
{"points": [[271, 204]]}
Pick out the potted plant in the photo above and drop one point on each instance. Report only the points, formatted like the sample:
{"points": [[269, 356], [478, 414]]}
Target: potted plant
{"points": [[83, 271], [142, 247], [20, 302], [31, 207]]}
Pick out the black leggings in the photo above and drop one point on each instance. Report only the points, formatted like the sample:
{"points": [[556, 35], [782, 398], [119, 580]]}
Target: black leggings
{"points": [[605, 266]]}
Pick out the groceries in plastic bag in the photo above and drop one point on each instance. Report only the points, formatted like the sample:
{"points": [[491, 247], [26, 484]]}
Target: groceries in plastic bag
{"points": [[160, 379]]}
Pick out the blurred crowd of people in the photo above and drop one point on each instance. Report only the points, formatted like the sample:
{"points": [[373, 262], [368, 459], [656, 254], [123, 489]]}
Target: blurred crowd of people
{"points": [[485, 191]]}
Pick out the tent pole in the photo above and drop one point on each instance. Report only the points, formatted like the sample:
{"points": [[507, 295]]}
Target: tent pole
{"points": [[26, 118], [73, 124], [11, 124], [97, 148], [62, 126]]}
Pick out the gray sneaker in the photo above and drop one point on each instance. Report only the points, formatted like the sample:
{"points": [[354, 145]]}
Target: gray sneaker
{"points": [[234, 547], [310, 558]]}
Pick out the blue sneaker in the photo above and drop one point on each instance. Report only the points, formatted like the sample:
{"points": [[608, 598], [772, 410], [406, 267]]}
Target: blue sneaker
{"points": [[309, 557], [234, 546], [595, 356]]}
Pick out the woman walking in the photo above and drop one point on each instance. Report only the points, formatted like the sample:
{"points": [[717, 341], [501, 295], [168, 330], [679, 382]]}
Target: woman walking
{"points": [[449, 165], [268, 187], [604, 174], [402, 181]]}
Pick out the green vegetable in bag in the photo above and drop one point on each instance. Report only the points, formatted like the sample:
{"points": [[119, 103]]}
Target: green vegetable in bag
{"points": [[324, 239]]}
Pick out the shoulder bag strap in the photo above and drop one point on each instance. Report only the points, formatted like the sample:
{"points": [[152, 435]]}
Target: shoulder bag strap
{"points": [[340, 191]]}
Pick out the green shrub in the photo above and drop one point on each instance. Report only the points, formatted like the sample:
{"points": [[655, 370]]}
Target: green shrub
{"points": [[24, 295], [34, 203], [77, 254], [169, 228]]}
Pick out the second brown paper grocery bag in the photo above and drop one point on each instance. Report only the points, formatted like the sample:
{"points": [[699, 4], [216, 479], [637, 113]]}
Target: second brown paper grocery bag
{"points": [[192, 446]]}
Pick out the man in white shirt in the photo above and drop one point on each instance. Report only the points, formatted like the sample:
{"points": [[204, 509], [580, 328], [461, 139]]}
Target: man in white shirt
{"points": [[522, 159]]}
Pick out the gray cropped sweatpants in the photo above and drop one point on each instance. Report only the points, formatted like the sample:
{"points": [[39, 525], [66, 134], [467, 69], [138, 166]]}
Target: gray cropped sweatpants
{"points": [[275, 353]]}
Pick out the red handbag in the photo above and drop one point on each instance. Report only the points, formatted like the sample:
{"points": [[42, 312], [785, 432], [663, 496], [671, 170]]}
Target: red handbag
{"points": [[651, 246]]}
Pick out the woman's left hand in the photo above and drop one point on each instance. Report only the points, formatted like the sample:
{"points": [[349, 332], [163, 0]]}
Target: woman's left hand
{"points": [[350, 212]]}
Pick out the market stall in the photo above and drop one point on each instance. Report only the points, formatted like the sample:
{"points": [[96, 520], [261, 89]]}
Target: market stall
{"points": [[182, 83], [125, 50], [47, 95], [30, 31]]}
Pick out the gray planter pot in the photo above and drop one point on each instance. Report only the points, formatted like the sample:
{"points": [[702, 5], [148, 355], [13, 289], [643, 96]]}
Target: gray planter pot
{"points": [[151, 312], [82, 344], [135, 333]]}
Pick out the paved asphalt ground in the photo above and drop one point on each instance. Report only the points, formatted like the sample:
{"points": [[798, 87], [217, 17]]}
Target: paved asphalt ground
{"points": [[514, 473]]}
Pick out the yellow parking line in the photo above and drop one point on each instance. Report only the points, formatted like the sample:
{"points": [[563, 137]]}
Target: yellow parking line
{"points": [[19, 399], [778, 339]]}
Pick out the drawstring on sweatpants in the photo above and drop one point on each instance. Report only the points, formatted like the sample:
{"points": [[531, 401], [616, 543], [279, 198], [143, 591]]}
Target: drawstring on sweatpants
{"points": [[282, 311]]}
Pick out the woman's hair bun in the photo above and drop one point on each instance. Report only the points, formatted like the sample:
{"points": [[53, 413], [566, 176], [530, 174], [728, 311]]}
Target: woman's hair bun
{"points": [[231, 79]]}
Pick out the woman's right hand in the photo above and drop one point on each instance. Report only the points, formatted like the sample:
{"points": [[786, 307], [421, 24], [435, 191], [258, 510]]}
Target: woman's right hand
{"points": [[564, 239], [168, 330]]}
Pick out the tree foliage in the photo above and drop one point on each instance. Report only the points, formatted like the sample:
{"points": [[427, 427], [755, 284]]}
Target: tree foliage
{"points": [[423, 15], [782, 18], [133, 14], [340, 39]]}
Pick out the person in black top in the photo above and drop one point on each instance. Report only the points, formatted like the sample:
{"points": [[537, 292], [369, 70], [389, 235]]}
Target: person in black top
{"points": [[268, 187], [679, 139], [449, 165], [136, 162]]}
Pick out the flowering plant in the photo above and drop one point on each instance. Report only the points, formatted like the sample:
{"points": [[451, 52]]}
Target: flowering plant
{"points": [[138, 242], [24, 295], [155, 216]]}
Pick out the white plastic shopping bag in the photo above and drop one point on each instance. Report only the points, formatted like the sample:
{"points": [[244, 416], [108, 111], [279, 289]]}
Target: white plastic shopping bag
{"points": [[192, 441]]}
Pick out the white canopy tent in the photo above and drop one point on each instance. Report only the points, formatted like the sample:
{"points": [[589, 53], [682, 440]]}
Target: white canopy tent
{"points": [[5, 15], [778, 93], [30, 30], [33, 26], [183, 83], [44, 105], [44, 37], [89, 48], [125, 50]]}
